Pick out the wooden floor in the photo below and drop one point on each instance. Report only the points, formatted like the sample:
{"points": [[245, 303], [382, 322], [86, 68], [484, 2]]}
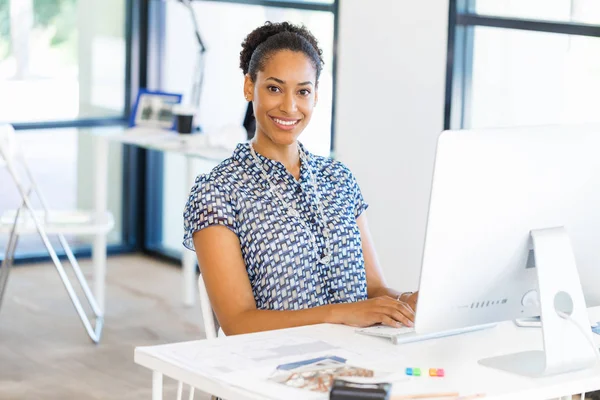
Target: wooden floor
{"points": [[46, 354]]}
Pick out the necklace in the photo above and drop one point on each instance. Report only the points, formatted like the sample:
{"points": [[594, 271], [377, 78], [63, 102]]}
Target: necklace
{"points": [[326, 259]]}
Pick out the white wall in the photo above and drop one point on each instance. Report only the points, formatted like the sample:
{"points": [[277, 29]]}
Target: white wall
{"points": [[389, 113]]}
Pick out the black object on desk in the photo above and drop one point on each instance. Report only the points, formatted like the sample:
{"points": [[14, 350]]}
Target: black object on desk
{"points": [[344, 390], [184, 122]]}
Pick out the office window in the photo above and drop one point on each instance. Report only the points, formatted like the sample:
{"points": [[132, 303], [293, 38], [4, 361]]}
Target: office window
{"points": [[296, 2], [61, 60], [580, 11], [524, 63], [222, 105], [64, 74], [533, 78]]}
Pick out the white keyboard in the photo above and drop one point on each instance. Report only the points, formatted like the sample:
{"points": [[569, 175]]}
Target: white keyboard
{"points": [[407, 334], [388, 332]]}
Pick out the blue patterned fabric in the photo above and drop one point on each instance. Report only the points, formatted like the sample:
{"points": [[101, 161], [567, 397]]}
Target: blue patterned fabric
{"points": [[281, 260]]}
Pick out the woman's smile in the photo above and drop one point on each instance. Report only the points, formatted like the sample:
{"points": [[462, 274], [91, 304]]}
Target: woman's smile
{"points": [[286, 124]]}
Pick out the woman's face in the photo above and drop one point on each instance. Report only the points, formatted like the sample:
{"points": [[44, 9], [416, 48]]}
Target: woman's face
{"points": [[283, 96]]}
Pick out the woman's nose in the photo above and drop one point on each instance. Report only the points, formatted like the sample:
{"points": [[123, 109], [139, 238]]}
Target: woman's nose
{"points": [[288, 104]]}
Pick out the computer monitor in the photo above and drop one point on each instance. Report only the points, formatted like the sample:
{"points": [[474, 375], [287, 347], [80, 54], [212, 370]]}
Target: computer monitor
{"points": [[490, 190]]}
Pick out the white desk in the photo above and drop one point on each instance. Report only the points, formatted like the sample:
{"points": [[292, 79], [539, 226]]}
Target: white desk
{"points": [[190, 146], [458, 355]]}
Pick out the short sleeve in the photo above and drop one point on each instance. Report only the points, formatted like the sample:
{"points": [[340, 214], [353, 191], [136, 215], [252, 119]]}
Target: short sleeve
{"points": [[359, 202], [209, 204]]}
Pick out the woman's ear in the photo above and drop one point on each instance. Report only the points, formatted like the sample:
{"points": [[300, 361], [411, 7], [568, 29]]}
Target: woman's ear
{"points": [[248, 88]]}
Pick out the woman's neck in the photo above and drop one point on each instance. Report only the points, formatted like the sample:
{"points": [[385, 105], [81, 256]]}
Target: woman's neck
{"points": [[285, 154]]}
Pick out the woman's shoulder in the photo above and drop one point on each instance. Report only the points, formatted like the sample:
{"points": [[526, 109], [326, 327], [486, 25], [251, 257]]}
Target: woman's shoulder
{"points": [[330, 167], [225, 170], [228, 175]]}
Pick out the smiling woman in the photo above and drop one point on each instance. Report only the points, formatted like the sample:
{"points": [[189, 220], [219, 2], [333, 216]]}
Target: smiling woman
{"points": [[288, 103], [283, 95], [281, 234], [281, 65]]}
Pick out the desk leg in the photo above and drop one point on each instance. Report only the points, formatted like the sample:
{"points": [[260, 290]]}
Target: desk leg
{"points": [[189, 258], [100, 207], [157, 385]]}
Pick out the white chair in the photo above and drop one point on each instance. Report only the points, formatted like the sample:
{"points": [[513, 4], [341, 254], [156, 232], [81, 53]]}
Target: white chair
{"points": [[210, 328], [45, 222]]}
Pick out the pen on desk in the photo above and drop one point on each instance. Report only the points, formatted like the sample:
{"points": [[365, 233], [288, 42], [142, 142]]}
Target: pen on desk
{"points": [[426, 396], [449, 395], [470, 397]]}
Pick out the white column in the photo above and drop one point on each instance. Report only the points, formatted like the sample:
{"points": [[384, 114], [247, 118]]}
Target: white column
{"points": [[21, 23], [100, 207], [86, 30], [392, 162]]}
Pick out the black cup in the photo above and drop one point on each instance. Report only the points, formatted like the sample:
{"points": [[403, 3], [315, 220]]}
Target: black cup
{"points": [[184, 120], [184, 123]]}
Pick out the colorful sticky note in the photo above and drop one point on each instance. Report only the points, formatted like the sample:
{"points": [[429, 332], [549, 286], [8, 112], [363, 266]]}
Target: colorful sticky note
{"points": [[409, 371], [440, 372], [432, 372], [416, 371]]}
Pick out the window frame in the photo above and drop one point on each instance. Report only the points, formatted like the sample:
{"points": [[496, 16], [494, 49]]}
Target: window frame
{"points": [[462, 21]]}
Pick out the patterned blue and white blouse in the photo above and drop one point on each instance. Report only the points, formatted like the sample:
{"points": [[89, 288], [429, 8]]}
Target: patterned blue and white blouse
{"points": [[280, 257]]}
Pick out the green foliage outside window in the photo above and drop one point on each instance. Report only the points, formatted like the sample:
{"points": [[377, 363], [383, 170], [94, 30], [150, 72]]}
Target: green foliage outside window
{"points": [[57, 17], [4, 29], [57, 14]]}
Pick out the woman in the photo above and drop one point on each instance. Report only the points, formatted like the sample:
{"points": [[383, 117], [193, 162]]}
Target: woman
{"points": [[281, 235]]}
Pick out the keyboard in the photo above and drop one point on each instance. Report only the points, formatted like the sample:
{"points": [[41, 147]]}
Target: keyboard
{"points": [[388, 332], [407, 334]]}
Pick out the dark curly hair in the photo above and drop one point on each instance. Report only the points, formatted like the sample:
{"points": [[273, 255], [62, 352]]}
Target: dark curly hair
{"points": [[264, 41]]}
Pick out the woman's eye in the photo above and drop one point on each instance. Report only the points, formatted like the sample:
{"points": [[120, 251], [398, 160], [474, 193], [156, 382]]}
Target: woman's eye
{"points": [[304, 92], [274, 89]]}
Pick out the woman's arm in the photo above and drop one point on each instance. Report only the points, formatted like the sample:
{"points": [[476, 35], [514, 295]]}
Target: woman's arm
{"points": [[222, 266], [224, 272], [376, 285]]}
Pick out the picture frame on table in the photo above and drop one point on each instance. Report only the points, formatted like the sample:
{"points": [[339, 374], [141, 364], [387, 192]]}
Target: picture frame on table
{"points": [[154, 109]]}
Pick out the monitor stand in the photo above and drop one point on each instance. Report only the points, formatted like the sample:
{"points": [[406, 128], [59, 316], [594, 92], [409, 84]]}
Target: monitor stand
{"points": [[565, 346]]}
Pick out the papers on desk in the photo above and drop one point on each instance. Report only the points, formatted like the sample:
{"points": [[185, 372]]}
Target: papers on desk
{"points": [[313, 388], [250, 362], [222, 358], [318, 374]]}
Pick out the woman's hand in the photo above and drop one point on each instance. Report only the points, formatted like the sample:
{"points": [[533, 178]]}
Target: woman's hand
{"points": [[379, 310], [411, 299]]}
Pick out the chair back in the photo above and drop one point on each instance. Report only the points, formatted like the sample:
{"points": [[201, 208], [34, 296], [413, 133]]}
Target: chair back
{"points": [[11, 156], [211, 324], [8, 145]]}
